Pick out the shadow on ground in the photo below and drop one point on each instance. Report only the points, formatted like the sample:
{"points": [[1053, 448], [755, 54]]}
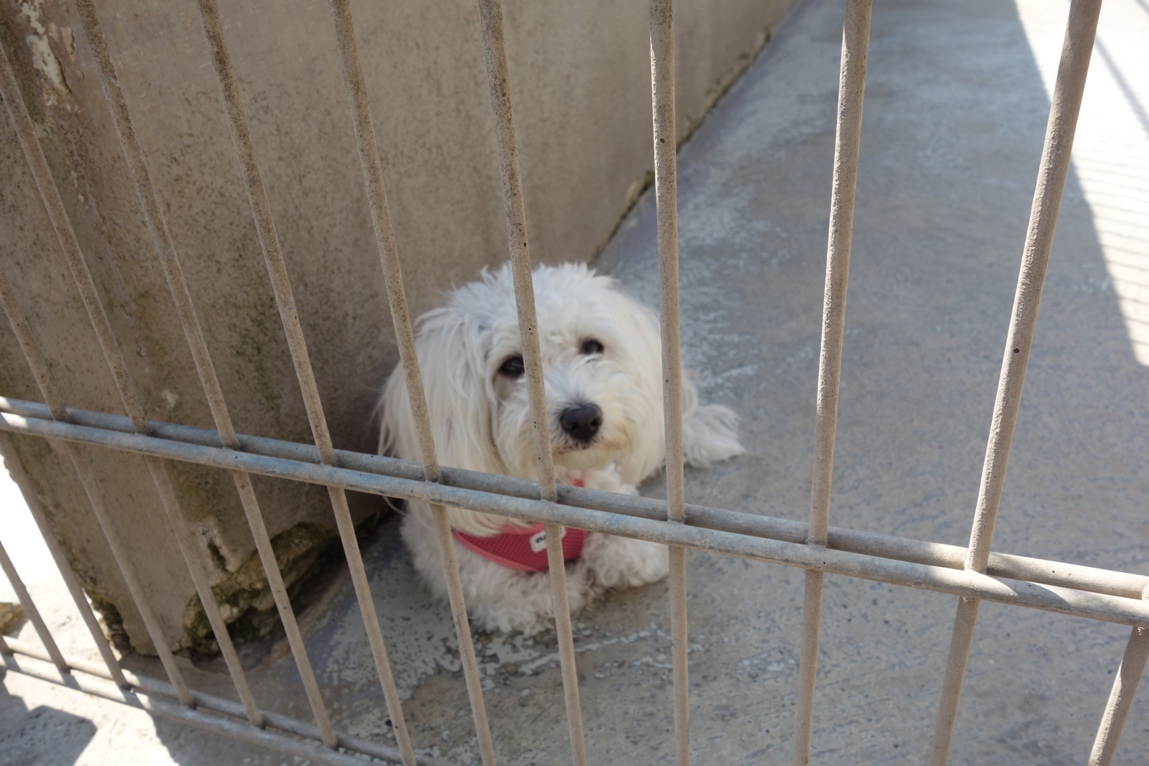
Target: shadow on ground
{"points": [[30, 730]]}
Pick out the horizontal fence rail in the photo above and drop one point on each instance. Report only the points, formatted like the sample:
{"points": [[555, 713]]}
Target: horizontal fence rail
{"points": [[207, 711], [1041, 571], [627, 516]]}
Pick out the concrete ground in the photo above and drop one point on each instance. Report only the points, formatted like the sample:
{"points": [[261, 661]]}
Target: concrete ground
{"points": [[955, 110]]}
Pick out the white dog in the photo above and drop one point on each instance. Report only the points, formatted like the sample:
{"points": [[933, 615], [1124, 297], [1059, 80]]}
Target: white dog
{"points": [[602, 366]]}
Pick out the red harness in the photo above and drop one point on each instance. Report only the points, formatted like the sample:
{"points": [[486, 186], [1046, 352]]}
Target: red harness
{"points": [[524, 548]]}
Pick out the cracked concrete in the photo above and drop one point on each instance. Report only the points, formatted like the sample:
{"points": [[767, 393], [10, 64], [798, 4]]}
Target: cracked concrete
{"points": [[955, 110]]}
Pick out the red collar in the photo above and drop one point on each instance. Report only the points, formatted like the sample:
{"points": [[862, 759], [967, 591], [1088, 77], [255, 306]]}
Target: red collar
{"points": [[524, 548]]}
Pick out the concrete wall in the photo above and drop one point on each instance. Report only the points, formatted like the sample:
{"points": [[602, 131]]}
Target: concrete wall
{"points": [[581, 84]]}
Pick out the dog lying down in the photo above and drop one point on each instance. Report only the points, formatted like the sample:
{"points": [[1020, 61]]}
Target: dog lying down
{"points": [[602, 365]]}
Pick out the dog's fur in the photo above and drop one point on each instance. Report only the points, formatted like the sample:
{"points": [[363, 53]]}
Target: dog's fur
{"points": [[599, 347]]}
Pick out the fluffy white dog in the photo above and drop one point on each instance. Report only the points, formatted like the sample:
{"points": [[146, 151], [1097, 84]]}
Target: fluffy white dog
{"points": [[602, 366]]}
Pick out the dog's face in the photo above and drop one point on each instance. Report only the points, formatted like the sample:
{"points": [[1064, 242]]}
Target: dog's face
{"points": [[601, 366], [601, 374]]}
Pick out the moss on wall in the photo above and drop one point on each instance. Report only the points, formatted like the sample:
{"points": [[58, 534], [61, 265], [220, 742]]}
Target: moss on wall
{"points": [[244, 596]]}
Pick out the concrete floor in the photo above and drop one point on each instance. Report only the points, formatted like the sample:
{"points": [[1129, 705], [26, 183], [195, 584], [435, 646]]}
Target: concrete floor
{"points": [[956, 104]]}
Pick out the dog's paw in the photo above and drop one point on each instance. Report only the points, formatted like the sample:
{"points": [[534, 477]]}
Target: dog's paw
{"points": [[710, 435], [609, 480], [510, 600], [620, 562]]}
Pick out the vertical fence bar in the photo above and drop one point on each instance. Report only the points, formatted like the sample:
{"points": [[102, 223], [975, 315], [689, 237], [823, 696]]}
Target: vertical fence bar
{"points": [[1053, 171], [187, 543], [130, 397], [293, 330], [189, 322], [401, 320], [557, 565], [123, 559], [384, 231], [1065, 107], [36, 362], [1121, 698], [960, 643], [131, 579], [494, 43], [115, 673], [851, 92], [25, 599], [662, 80], [69, 245], [463, 630], [95, 498], [66, 238]]}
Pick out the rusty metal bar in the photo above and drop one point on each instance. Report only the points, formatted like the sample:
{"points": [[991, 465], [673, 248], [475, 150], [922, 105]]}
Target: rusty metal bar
{"points": [[293, 330], [1120, 698], [120, 555], [216, 715], [189, 322], [384, 232], [114, 357], [1052, 174], [187, 543], [401, 321], [959, 582], [283, 605], [808, 664], [498, 77], [32, 612], [565, 632], [851, 91], [463, 630], [1080, 31], [66, 237], [1009, 566], [956, 661], [112, 665], [218, 705], [662, 80], [123, 559]]}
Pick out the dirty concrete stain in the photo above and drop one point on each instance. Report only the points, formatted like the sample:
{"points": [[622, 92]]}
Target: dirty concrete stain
{"points": [[244, 597], [39, 43]]}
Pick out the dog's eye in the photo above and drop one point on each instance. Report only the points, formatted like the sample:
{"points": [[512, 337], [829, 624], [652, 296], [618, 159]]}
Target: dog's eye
{"points": [[513, 367], [591, 347]]}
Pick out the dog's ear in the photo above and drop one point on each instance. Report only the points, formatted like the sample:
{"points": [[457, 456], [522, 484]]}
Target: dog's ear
{"points": [[453, 363]]}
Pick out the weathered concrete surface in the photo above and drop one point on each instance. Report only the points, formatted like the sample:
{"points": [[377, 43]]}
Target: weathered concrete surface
{"points": [[955, 111], [581, 78]]}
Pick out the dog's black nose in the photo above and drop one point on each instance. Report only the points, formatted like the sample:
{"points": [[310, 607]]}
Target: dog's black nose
{"points": [[581, 422]]}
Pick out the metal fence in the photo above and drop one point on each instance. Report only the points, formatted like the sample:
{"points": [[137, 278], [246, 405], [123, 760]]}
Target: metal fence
{"points": [[973, 574]]}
